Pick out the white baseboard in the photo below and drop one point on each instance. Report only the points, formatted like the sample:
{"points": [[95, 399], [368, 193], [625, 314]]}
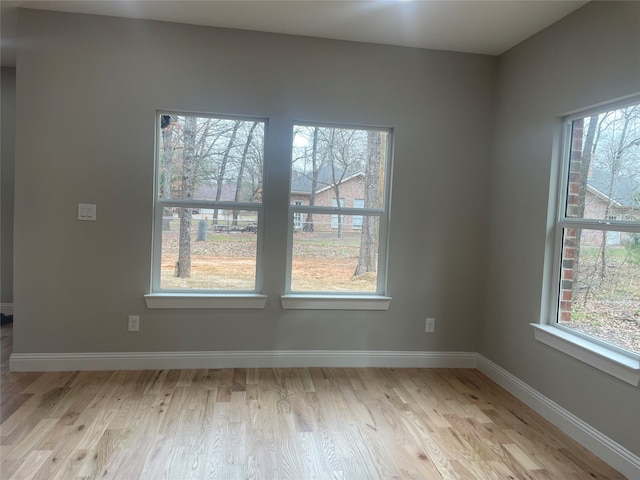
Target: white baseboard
{"points": [[41, 362], [602, 446], [611, 452], [6, 308]]}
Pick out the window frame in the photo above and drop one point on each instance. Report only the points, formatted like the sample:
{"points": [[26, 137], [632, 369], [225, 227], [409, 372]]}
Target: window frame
{"points": [[342, 300], [618, 362], [203, 298]]}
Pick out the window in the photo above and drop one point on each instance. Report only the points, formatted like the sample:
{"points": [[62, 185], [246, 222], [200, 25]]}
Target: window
{"points": [[208, 204], [337, 221], [297, 217], [342, 173], [614, 238], [597, 266], [357, 219]]}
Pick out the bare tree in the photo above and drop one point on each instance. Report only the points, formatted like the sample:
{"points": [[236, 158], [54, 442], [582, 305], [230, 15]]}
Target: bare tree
{"points": [[315, 170], [586, 154], [167, 125], [183, 266], [223, 166], [243, 162], [343, 160], [616, 160], [610, 151], [254, 167], [367, 258]]}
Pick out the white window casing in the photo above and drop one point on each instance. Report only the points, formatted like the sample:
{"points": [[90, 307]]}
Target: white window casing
{"points": [[575, 229]]}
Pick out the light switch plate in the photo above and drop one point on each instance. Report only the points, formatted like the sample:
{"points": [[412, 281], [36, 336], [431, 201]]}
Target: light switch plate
{"points": [[430, 325], [87, 211]]}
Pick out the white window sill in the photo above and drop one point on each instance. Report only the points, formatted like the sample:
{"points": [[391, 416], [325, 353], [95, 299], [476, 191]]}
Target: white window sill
{"points": [[625, 368], [185, 300], [334, 302]]}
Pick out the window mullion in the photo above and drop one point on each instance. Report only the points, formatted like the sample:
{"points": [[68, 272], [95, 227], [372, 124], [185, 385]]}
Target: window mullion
{"points": [[167, 203], [613, 225], [336, 210]]}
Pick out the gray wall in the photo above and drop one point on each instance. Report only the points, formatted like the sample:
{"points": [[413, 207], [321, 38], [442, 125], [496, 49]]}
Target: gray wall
{"points": [[8, 129], [587, 58], [89, 89]]}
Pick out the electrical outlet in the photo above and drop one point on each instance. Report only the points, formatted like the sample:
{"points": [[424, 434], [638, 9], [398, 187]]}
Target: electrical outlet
{"points": [[134, 323], [430, 325]]}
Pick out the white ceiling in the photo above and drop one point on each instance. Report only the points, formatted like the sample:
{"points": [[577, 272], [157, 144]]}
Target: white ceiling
{"points": [[476, 26]]}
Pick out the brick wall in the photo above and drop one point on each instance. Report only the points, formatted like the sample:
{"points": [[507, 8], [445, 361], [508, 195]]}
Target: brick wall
{"points": [[350, 190], [570, 234]]}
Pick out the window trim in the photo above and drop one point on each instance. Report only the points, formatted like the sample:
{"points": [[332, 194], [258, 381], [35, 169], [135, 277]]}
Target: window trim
{"points": [[604, 358], [294, 301], [202, 298], [338, 300], [621, 364], [194, 300]]}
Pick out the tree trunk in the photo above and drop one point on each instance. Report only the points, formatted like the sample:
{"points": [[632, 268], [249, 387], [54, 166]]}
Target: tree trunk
{"points": [[602, 267], [183, 268], [243, 162], [589, 147], [315, 171], [615, 169], [167, 150], [336, 192], [223, 167], [367, 259]]}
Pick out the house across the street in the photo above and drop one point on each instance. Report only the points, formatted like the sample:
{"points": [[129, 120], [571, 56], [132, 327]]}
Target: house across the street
{"points": [[331, 184], [610, 201]]}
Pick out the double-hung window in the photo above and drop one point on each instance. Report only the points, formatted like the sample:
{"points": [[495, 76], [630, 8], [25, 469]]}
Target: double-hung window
{"points": [[596, 286], [340, 191], [208, 204]]}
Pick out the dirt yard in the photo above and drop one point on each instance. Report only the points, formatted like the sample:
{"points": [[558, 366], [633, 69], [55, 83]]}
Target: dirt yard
{"points": [[227, 261], [606, 302]]}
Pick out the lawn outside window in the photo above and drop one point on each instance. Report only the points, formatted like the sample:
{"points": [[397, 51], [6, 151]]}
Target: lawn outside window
{"points": [[594, 311], [338, 217], [208, 212]]}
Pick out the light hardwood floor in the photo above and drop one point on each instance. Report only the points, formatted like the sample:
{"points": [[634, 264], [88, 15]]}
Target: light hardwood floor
{"points": [[303, 423]]}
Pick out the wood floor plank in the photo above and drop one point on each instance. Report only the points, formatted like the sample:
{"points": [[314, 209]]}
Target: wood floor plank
{"points": [[19, 418], [16, 456], [31, 464], [287, 423], [356, 458]]}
